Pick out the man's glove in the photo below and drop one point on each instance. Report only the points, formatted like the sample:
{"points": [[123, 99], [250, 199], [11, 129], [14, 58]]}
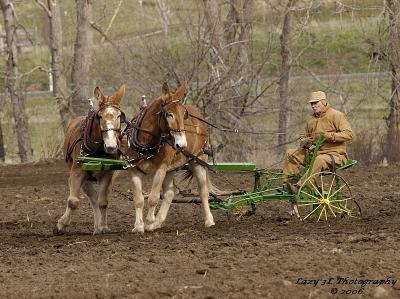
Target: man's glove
{"points": [[306, 142]]}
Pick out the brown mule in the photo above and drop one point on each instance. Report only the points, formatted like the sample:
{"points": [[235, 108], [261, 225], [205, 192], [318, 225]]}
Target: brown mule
{"points": [[97, 134], [158, 138]]}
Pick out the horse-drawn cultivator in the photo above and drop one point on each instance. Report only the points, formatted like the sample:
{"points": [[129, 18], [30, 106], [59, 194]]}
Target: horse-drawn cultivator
{"points": [[168, 135], [323, 196]]}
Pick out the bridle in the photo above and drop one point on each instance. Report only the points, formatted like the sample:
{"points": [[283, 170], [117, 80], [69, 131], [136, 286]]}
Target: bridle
{"points": [[164, 114], [121, 116], [88, 145], [146, 151]]}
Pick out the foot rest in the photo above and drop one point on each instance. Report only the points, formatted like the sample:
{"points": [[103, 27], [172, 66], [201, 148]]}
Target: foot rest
{"points": [[348, 164]]}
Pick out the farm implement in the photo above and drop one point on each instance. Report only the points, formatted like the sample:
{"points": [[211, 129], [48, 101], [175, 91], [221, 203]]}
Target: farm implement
{"points": [[323, 196]]}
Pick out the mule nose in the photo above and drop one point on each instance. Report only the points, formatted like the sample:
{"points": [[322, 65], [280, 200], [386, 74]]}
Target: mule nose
{"points": [[110, 149], [180, 144]]}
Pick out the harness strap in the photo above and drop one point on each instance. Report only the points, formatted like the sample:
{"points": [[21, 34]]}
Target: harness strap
{"points": [[88, 131], [71, 147], [132, 131], [194, 157]]}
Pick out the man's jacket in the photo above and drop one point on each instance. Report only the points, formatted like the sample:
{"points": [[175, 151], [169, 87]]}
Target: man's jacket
{"points": [[335, 127]]}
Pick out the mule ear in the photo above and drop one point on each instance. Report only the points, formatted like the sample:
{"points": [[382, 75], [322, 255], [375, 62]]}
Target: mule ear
{"points": [[98, 94], [120, 93], [165, 89], [181, 91]]}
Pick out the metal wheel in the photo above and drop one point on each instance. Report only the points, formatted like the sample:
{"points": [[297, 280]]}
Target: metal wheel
{"points": [[326, 196]]}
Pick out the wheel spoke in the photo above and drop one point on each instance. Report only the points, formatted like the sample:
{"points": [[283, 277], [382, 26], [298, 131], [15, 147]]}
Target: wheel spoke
{"points": [[330, 187], [320, 214], [316, 189], [304, 192], [333, 213], [326, 214], [340, 200], [341, 187], [306, 204], [312, 212], [339, 208]]}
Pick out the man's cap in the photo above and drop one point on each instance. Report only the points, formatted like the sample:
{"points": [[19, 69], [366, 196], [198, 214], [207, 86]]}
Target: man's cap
{"points": [[317, 96]]}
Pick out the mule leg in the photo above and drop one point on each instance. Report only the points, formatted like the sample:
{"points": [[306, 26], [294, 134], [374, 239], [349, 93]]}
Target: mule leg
{"points": [[138, 200], [154, 196], [91, 194], [200, 173], [168, 196], [104, 192], [76, 179]]}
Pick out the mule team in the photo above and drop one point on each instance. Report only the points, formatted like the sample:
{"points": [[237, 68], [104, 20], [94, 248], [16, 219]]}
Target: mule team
{"points": [[162, 138]]}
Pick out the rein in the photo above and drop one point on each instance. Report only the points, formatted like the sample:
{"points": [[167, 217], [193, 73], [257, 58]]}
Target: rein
{"points": [[236, 130]]}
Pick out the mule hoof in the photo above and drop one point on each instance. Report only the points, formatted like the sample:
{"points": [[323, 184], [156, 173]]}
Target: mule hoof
{"points": [[57, 231], [105, 230], [209, 223], [138, 229], [152, 226]]}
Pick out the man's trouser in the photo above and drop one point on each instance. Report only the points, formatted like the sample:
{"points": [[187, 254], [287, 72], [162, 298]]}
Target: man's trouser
{"points": [[296, 157]]}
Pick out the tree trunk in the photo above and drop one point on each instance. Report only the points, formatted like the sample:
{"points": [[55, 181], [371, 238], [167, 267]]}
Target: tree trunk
{"points": [[246, 25], [284, 78], [13, 83], [164, 12], [393, 120], [57, 64], [82, 58], [227, 69], [2, 151]]}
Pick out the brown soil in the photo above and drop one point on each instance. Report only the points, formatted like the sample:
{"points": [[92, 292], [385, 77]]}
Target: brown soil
{"points": [[263, 256]]}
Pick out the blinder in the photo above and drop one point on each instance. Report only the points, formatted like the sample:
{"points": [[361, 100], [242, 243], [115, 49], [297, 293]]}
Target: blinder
{"points": [[122, 118], [186, 113]]}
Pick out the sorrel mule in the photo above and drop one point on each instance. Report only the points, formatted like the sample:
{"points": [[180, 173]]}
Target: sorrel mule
{"points": [[158, 138], [97, 134]]}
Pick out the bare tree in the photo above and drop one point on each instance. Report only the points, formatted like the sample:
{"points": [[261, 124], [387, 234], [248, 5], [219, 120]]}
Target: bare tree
{"points": [[13, 82], [284, 76], [60, 90], [164, 11], [393, 120], [80, 83], [227, 68]]}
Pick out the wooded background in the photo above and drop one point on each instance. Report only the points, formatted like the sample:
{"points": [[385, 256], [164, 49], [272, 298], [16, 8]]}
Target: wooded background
{"points": [[251, 66]]}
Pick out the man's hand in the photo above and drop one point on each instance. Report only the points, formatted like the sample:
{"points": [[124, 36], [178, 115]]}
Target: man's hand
{"points": [[306, 142]]}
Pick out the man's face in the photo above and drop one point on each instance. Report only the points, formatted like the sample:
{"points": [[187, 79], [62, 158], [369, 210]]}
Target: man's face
{"points": [[317, 107]]}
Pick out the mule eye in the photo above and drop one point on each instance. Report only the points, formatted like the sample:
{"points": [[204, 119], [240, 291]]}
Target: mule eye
{"points": [[170, 115]]}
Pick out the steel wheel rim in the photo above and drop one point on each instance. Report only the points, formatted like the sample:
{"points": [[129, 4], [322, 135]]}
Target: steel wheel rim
{"points": [[326, 196]]}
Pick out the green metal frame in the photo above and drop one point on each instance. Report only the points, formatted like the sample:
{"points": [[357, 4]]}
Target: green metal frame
{"points": [[265, 185], [98, 164]]}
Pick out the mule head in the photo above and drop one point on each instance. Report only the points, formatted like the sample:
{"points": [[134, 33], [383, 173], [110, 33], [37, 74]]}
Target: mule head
{"points": [[175, 113], [110, 118]]}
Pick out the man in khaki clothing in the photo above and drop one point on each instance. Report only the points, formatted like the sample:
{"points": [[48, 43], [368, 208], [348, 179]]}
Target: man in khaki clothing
{"points": [[336, 130]]}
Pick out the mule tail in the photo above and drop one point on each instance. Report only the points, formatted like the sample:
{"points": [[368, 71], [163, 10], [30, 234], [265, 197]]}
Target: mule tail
{"points": [[186, 179], [212, 189]]}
